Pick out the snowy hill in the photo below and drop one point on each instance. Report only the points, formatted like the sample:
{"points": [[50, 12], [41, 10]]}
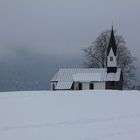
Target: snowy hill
{"points": [[70, 115]]}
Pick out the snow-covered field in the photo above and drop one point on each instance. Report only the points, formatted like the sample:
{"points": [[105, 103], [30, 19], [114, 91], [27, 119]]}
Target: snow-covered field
{"points": [[70, 115]]}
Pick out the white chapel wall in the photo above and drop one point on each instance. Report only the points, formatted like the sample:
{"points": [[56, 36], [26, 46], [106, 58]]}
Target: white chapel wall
{"points": [[111, 63], [85, 86], [99, 85]]}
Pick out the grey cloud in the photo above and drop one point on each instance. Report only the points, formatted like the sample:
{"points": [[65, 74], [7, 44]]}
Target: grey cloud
{"points": [[42, 36]]}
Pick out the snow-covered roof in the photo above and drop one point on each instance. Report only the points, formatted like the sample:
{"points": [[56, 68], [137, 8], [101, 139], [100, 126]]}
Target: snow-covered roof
{"points": [[86, 77], [68, 75], [63, 85]]}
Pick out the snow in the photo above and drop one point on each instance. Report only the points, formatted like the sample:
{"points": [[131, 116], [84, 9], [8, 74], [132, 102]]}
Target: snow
{"points": [[86, 77], [70, 115], [85, 74]]}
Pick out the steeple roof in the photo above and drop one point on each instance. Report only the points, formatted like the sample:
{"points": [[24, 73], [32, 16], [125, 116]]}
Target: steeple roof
{"points": [[112, 43]]}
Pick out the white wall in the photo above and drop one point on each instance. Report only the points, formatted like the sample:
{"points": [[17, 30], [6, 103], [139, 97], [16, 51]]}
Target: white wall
{"points": [[55, 83], [99, 85], [111, 63], [85, 86], [75, 86]]}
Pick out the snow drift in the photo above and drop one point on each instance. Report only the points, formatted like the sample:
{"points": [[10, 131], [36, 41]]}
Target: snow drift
{"points": [[70, 115]]}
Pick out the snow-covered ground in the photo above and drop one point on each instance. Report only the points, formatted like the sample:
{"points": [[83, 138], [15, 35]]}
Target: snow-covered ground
{"points": [[70, 115]]}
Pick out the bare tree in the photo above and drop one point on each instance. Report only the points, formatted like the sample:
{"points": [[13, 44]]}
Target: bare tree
{"points": [[96, 56]]}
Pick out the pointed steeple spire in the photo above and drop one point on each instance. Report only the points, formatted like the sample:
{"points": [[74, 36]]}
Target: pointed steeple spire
{"points": [[112, 43], [111, 54]]}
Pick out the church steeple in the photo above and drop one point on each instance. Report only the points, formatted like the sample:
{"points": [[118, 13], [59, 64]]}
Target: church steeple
{"points": [[112, 43], [111, 54]]}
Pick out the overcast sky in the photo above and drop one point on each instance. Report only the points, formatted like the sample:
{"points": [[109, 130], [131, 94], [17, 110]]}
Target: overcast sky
{"points": [[60, 29]]}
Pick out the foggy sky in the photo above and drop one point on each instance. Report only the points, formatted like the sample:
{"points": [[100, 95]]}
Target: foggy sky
{"points": [[58, 30]]}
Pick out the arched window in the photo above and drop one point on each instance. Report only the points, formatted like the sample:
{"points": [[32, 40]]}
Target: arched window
{"points": [[91, 86], [111, 58], [53, 86], [80, 86]]}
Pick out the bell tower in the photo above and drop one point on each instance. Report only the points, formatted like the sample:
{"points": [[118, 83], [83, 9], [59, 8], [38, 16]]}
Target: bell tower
{"points": [[111, 54]]}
